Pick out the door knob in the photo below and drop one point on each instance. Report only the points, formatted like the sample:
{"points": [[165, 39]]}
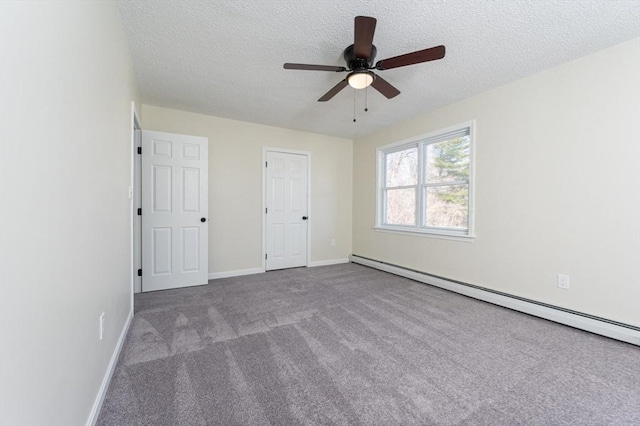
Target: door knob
{"points": [[203, 219], [304, 218]]}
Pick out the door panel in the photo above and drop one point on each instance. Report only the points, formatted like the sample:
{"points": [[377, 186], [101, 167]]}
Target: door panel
{"points": [[174, 199], [190, 249], [190, 190], [161, 251], [286, 230], [162, 189], [191, 151]]}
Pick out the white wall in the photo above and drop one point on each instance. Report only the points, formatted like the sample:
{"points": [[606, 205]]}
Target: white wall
{"points": [[557, 188], [66, 92], [235, 185]]}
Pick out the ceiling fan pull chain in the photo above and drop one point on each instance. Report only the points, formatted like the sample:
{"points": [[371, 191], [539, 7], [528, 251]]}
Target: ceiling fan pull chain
{"points": [[366, 99], [354, 105]]}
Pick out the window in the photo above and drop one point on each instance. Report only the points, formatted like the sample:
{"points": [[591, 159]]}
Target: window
{"points": [[425, 185]]}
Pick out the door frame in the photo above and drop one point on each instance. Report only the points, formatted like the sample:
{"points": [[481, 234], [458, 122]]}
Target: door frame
{"points": [[137, 203], [134, 198], [266, 149]]}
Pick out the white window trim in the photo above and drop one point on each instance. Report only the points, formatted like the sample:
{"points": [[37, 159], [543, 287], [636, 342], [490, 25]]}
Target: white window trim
{"points": [[417, 230]]}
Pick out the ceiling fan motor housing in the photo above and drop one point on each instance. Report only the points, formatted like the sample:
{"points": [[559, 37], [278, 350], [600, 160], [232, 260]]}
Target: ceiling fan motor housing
{"points": [[355, 64]]}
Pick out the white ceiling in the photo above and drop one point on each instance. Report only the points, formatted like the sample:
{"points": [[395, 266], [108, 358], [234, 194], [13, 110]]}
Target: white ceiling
{"points": [[225, 57]]}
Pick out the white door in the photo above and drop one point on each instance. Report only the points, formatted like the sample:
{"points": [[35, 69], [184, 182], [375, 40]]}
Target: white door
{"points": [[286, 214], [174, 210]]}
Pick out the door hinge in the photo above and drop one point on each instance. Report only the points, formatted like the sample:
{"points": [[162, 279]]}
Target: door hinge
{"points": [[265, 256], [139, 212], [139, 150], [266, 164], [139, 272], [265, 210]]}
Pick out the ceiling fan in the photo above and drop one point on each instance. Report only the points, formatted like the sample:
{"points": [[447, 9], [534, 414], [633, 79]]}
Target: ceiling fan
{"points": [[360, 56]]}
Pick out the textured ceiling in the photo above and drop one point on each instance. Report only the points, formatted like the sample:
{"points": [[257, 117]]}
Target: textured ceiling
{"points": [[225, 57]]}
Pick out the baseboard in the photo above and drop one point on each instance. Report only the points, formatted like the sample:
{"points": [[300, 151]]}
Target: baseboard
{"points": [[602, 326], [327, 262], [238, 273], [102, 392]]}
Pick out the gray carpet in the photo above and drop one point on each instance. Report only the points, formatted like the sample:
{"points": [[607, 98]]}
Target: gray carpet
{"points": [[347, 344]]}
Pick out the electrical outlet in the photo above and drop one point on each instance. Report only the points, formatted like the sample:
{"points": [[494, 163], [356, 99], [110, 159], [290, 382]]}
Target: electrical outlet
{"points": [[101, 325], [333, 242], [563, 281]]}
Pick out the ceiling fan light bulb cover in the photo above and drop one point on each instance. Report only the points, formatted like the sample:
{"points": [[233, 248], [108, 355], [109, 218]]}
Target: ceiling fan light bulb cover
{"points": [[360, 80]]}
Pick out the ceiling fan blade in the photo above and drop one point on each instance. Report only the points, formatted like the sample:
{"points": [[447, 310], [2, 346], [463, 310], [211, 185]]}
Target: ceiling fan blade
{"points": [[384, 87], [418, 57], [334, 91], [309, 67], [365, 26]]}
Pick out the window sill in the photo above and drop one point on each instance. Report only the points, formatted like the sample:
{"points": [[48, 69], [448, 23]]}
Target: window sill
{"points": [[427, 234]]}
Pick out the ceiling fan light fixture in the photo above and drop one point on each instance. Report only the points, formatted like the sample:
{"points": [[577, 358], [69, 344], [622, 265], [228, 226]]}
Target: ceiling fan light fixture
{"points": [[360, 79]]}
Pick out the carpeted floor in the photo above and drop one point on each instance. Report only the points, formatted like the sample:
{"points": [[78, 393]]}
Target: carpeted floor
{"points": [[347, 344]]}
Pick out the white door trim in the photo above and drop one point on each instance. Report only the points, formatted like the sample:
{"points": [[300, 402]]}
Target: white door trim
{"points": [[266, 149], [137, 219], [134, 201]]}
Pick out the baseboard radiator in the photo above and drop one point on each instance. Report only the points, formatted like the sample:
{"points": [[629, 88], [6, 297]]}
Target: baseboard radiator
{"points": [[615, 330]]}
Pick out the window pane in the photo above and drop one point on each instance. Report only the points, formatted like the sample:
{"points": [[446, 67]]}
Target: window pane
{"points": [[402, 168], [448, 207], [447, 161], [401, 206]]}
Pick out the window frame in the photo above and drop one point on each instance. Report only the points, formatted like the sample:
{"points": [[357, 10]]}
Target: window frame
{"points": [[422, 142]]}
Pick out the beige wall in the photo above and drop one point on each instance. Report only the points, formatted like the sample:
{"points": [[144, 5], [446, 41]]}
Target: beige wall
{"points": [[557, 188], [235, 185], [66, 92]]}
